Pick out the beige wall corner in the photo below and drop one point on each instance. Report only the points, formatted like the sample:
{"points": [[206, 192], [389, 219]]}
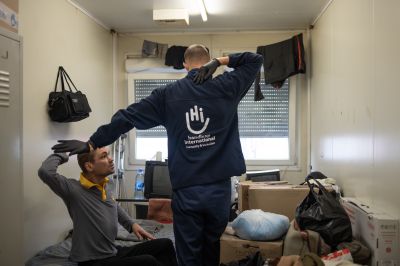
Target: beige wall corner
{"points": [[67, 37]]}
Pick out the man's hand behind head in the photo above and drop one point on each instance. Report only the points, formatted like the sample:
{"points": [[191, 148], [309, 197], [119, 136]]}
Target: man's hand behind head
{"points": [[206, 71], [71, 146]]}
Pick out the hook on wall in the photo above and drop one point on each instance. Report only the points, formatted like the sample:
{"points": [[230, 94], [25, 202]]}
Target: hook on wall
{"points": [[5, 56]]}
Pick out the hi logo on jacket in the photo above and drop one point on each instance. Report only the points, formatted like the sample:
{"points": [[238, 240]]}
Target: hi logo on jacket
{"points": [[196, 114]]}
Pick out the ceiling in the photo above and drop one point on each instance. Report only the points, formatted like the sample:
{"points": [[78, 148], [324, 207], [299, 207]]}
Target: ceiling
{"points": [[136, 16]]}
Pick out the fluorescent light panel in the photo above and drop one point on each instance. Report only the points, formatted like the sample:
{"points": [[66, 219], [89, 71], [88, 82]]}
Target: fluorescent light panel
{"points": [[203, 10]]}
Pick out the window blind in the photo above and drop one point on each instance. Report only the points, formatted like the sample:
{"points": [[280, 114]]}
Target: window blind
{"points": [[266, 118], [143, 88]]}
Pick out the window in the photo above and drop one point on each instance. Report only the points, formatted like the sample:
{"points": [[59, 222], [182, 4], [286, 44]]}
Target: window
{"points": [[144, 144], [150, 141], [266, 127]]}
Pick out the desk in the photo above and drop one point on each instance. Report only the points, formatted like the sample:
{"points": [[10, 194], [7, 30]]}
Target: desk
{"points": [[140, 206]]}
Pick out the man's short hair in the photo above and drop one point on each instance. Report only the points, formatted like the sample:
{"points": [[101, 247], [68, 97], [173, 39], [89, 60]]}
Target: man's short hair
{"points": [[197, 52], [84, 158]]}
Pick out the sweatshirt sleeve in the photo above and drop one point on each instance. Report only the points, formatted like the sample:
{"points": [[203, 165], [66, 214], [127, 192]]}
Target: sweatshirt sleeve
{"points": [[124, 219], [246, 66], [147, 113], [48, 174]]}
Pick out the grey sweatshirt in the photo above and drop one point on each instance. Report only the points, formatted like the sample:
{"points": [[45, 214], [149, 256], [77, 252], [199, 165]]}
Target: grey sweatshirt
{"points": [[95, 221]]}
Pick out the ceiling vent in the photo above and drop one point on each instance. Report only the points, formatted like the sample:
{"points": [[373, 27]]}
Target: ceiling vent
{"points": [[175, 17]]}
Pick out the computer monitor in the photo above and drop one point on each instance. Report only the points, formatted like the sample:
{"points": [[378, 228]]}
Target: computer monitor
{"points": [[264, 175], [156, 180]]}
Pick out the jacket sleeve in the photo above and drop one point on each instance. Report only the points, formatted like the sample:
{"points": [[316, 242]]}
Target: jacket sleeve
{"points": [[147, 113], [48, 174], [246, 66], [124, 219]]}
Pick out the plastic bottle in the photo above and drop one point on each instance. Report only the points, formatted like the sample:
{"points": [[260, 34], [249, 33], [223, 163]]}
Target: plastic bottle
{"points": [[139, 184]]}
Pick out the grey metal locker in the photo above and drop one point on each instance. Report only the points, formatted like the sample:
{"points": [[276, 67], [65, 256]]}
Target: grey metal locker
{"points": [[11, 185]]}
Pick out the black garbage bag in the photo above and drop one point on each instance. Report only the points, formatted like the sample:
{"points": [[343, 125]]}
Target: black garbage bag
{"points": [[314, 175], [322, 212]]}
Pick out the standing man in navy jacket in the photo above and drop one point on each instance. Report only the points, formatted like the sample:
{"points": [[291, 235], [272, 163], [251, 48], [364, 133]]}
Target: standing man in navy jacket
{"points": [[204, 151]]}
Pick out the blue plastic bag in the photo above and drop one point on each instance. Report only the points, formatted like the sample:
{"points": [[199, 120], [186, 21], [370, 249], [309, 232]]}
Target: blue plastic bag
{"points": [[259, 225]]}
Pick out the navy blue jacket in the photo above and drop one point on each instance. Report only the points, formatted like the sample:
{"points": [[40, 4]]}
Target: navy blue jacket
{"points": [[201, 122]]}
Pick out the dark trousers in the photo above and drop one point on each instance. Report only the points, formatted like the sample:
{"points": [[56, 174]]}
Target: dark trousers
{"points": [[201, 214], [158, 252]]}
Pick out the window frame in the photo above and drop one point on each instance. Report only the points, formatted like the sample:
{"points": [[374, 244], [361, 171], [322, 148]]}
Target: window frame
{"points": [[132, 160], [291, 163]]}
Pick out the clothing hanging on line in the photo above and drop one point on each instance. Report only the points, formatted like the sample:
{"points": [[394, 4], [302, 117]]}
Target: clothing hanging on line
{"points": [[281, 60], [175, 56], [154, 49]]}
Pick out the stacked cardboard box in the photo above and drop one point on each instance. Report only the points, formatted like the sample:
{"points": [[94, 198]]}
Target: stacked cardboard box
{"points": [[276, 197], [271, 197], [377, 230], [234, 248]]}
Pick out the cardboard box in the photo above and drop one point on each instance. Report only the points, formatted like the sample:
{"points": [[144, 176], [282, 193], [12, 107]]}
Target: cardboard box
{"points": [[243, 191], [377, 230], [234, 248], [243, 195], [280, 199]]}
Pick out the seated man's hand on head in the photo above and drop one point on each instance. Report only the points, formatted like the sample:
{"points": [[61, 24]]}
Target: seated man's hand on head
{"points": [[140, 232], [72, 146]]}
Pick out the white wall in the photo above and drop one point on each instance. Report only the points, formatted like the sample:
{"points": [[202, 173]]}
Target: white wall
{"points": [[355, 134], [55, 33], [219, 43]]}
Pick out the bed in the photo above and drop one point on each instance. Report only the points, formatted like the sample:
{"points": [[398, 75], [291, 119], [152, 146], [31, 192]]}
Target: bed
{"points": [[57, 255]]}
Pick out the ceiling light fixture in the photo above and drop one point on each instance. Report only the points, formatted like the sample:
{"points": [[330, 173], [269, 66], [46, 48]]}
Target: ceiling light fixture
{"points": [[171, 16], [203, 10]]}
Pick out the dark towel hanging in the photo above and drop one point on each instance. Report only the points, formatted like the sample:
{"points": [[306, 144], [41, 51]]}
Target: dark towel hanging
{"points": [[281, 60], [175, 56]]}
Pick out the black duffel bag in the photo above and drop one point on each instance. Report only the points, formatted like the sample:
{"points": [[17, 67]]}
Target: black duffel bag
{"points": [[322, 212], [67, 105]]}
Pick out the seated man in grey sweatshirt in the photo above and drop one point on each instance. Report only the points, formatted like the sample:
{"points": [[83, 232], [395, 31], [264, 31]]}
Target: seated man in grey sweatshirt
{"points": [[95, 215]]}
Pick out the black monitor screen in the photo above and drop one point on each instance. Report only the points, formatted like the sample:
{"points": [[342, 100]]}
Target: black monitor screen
{"points": [[264, 175], [156, 180]]}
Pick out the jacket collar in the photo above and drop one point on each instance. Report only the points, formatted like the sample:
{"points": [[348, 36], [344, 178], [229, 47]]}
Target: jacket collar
{"points": [[192, 73], [86, 183]]}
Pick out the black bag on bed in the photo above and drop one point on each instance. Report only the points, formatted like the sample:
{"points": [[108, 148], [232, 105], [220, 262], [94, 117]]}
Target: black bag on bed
{"points": [[67, 105]]}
